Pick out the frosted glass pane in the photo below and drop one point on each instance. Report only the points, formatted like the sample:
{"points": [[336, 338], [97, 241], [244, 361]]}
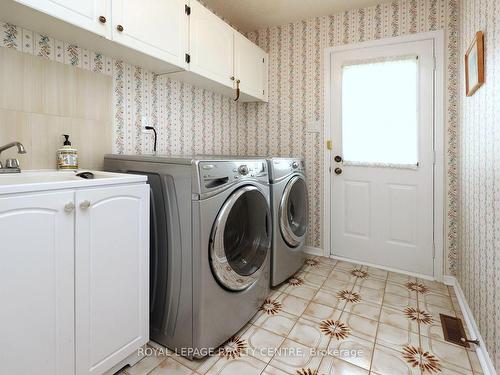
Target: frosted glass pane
{"points": [[379, 112]]}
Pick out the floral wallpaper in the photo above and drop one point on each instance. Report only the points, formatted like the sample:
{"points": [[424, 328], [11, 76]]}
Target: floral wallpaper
{"points": [[192, 120], [479, 173], [189, 120], [296, 90], [28, 41]]}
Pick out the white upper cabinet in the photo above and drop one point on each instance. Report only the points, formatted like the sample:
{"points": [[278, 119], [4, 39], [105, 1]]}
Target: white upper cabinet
{"points": [[222, 55], [157, 28], [37, 284], [91, 15], [250, 67], [177, 37], [211, 45]]}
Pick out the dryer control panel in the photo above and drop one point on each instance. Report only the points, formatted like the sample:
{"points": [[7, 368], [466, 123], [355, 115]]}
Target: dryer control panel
{"points": [[214, 175], [280, 168]]}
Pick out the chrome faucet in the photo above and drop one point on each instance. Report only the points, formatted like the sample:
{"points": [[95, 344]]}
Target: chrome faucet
{"points": [[12, 165]]}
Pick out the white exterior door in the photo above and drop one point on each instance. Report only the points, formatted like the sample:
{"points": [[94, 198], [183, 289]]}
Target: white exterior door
{"points": [[382, 158], [250, 67], [157, 28], [111, 275], [36, 284], [84, 14], [211, 45]]}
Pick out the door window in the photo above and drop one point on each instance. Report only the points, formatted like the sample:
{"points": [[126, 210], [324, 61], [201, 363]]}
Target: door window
{"points": [[380, 111]]}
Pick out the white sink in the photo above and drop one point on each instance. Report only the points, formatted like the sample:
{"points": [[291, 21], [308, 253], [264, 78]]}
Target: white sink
{"points": [[52, 179]]}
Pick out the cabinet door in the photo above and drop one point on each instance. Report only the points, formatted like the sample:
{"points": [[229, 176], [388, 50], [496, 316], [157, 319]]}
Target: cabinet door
{"points": [[36, 284], [84, 14], [157, 28], [250, 67], [211, 45], [111, 275]]}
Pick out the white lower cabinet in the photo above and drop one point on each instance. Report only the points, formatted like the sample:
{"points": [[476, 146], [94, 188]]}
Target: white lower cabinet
{"points": [[111, 269], [74, 279], [37, 284]]}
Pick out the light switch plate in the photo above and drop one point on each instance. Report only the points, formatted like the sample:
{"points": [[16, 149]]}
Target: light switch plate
{"points": [[313, 126]]}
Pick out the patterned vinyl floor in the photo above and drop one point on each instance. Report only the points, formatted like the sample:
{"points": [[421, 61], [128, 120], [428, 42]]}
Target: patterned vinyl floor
{"points": [[336, 318]]}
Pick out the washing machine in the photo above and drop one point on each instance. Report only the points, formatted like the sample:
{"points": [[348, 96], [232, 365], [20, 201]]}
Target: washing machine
{"points": [[289, 206], [210, 246]]}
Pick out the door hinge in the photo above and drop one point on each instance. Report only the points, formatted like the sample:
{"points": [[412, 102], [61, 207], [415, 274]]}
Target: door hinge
{"points": [[263, 92], [433, 250], [188, 58], [263, 60], [329, 169], [187, 9], [434, 63]]}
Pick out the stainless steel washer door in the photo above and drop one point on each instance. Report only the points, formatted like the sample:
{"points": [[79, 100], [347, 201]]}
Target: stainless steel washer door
{"points": [[293, 213], [241, 239]]}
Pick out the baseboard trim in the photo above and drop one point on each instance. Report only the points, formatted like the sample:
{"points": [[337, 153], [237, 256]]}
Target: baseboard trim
{"points": [[313, 251], [449, 280], [482, 353], [420, 276]]}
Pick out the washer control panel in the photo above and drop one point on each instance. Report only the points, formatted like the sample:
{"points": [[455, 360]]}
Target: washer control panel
{"points": [[214, 175], [243, 170]]}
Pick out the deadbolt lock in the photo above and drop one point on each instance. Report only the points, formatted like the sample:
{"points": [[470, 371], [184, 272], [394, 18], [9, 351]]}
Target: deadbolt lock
{"points": [[338, 158], [338, 171]]}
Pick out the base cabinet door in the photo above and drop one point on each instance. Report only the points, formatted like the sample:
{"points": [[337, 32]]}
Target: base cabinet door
{"points": [[36, 284], [91, 15], [157, 28], [111, 275]]}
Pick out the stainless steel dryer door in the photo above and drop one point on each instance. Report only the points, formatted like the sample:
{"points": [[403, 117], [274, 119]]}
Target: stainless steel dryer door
{"points": [[241, 239], [293, 212]]}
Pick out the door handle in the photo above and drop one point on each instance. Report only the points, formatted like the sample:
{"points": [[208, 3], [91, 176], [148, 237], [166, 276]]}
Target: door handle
{"points": [[237, 90], [338, 158], [338, 171]]}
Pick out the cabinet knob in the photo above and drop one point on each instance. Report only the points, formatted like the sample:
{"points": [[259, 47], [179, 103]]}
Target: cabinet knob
{"points": [[69, 207], [85, 204], [119, 28], [102, 19]]}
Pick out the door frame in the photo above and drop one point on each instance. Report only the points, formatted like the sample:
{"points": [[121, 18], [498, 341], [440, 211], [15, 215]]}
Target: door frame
{"points": [[439, 230]]}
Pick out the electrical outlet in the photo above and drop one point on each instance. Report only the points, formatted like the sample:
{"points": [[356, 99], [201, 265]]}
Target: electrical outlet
{"points": [[144, 123]]}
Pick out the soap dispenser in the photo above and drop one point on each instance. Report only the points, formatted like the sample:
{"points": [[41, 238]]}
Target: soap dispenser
{"points": [[67, 156]]}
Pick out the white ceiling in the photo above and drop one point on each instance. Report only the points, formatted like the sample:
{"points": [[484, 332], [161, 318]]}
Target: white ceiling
{"points": [[251, 15]]}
